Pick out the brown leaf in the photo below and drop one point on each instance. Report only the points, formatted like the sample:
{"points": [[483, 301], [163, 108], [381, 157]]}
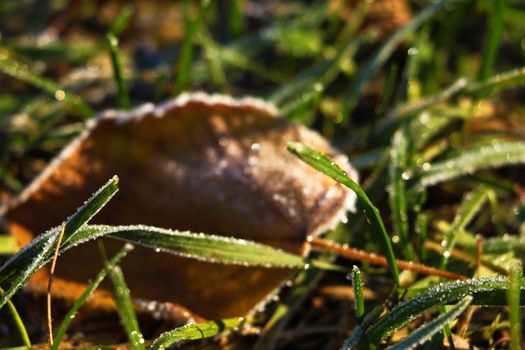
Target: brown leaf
{"points": [[203, 163]]}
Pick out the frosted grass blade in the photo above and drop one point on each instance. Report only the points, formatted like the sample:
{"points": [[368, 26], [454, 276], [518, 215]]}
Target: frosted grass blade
{"points": [[210, 248], [425, 333], [197, 331], [357, 284], [494, 154], [469, 208], [17, 270], [322, 163], [127, 315], [485, 291], [400, 154], [513, 297]]}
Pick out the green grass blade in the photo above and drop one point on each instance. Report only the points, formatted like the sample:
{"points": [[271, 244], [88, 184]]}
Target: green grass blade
{"points": [[210, 248], [492, 37], [513, 297], [351, 96], [486, 291], [87, 293], [235, 18], [496, 153], [357, 284], [506, 80], [116, 62], [469, 208], [400, 154], [122, 20], [184, 63], [17, 322], [197, 331], [127, 315], [17, 71], [425, 333], [325, 165], [17, 270]]}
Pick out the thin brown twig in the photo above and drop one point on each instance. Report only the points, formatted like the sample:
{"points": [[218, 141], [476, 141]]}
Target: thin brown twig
{"points": [[376, 259], [50, 283], [479, 252]]}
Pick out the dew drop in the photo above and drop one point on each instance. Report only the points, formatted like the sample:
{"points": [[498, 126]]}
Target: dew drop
{"points": [[256, 147], [413, 51], [395, 239], [60, 95]]}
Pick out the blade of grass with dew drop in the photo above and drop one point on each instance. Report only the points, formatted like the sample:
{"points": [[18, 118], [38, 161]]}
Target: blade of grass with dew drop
{"points": [[357, 284], [493, 154], [17, 322], [352, 95], [492, 37], [470, 206], [200, 246], [197, 331], [127, 315], [425, 333], [17, 71], [17, 270], [486, 291], [87, 293], [400, 154], [324, 164], [513, 297], [116, 62]]}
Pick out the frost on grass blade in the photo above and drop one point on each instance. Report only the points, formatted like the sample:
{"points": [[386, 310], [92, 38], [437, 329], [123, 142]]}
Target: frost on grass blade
{"points": [[212, 248], [197, 331], [485, 291], [491, 155], [17, 270], [425, 333], [327, 166]]}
